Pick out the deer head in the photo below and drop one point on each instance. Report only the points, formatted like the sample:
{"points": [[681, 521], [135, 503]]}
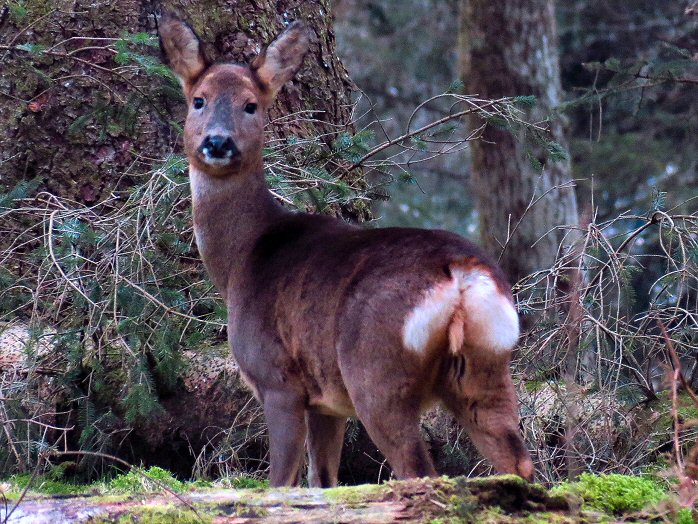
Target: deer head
{"points": [[224, 131]]}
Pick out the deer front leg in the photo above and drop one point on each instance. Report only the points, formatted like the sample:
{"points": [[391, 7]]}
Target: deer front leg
{"points": [[284, 413], [325, 439]]}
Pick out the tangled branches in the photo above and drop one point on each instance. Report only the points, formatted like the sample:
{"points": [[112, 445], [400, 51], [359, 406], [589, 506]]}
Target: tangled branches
{"points": [[595, 381]]}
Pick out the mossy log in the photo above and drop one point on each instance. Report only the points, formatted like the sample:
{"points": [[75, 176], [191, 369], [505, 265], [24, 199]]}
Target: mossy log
{"points": [[209, 399], [494, 499]]}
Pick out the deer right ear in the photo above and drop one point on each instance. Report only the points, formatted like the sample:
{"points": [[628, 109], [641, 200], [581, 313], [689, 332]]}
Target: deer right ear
{"points": [[182, 48]]}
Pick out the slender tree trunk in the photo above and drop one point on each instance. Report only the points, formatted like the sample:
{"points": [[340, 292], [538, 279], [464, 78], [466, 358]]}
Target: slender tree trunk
{"points": [[509, 48]]}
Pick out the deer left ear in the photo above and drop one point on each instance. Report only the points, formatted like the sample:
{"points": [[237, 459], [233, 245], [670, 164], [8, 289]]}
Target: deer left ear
{"points": [[282, 59]]}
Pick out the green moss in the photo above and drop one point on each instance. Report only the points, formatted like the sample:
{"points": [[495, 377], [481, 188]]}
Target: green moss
{"points": [[547, 517], [688, 412], [242, 482], [487, 516], [109, 499], [163, 515], [613, 493], [355, 495], [687, 409], [45, 485], [508, 480], [534, 385], [685, 516], [200, 484], [249, 483], [139, 481]]}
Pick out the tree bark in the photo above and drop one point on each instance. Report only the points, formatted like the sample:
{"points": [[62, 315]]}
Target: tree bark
{"points": [[509, 48], [127, 113]]}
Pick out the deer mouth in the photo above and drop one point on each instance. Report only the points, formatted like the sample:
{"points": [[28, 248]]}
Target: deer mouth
{"points": [[217, 161], [216, 165], [224, 161]]}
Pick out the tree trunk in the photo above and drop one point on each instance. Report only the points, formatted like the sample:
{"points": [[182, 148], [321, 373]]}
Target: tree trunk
{"points": [[509, 48], [87, 119]]}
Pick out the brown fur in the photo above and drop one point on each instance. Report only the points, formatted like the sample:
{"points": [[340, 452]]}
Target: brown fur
{"points": [[316, 307]]}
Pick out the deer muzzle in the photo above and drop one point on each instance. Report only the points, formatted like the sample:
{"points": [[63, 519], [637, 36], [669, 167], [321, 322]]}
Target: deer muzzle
{"points": [[218, 149]]}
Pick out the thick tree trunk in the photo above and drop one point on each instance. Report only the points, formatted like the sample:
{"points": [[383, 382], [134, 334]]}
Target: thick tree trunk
{"points": [[88, 120], [509, 48], [76, 116]]}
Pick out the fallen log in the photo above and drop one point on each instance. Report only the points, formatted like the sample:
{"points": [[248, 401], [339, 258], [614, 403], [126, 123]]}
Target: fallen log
{"points": [[505, 498]]}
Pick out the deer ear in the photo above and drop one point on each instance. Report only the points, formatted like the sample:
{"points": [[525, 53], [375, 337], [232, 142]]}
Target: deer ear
{"points": [[182, 48], [282, 59]]}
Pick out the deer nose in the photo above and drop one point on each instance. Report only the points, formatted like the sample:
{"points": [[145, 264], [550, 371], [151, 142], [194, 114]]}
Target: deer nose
{"points": [[218, 146]]}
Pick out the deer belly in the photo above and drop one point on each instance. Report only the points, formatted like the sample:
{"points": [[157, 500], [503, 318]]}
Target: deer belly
{"points": [[324, 387], [332, 401]]}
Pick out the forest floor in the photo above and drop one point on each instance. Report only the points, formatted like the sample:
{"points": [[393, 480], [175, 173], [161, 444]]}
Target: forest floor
{"points": [[504, 499]]}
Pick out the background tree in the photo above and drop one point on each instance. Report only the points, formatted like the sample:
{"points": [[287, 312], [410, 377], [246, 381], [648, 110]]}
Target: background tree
{"points": [[510, 48], [385, 48]]}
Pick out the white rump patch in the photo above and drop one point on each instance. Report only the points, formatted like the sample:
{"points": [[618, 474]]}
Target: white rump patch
{"points": [[489, 318], [468, 309], [431, 316]]}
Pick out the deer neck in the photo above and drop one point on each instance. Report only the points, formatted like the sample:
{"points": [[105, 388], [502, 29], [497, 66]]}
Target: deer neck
{"points": [[230, 214]]}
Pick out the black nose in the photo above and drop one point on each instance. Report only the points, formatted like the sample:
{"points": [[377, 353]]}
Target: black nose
{"points": [[218, 146]]}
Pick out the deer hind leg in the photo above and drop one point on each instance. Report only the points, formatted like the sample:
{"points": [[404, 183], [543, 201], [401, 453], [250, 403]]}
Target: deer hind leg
{"points": [[285, 417], [393, 425], [387, 387], [481, 395], [325, 439]]}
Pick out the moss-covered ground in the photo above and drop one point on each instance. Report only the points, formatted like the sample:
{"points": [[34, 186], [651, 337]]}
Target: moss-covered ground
{"points": [[154, 496]]}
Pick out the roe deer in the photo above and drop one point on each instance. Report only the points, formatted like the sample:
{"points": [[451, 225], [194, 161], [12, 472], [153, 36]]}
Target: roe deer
{"points": [[328, 320]]}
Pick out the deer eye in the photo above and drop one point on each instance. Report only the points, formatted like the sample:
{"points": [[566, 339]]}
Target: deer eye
{"points": [[199, 103], [250, 108]]}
